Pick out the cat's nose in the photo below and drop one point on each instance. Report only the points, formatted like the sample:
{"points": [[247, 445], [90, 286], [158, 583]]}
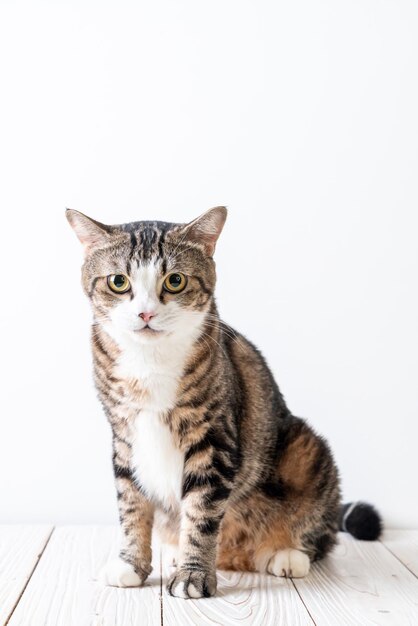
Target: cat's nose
{"points": [[146, 316]]}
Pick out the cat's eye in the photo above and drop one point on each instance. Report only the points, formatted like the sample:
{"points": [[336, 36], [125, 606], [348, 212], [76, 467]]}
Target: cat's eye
{"points": [[174, 283], [119, 283]]}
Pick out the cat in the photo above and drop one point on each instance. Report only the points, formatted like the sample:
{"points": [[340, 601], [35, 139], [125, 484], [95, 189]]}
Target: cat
{"points": [[204, 446]]}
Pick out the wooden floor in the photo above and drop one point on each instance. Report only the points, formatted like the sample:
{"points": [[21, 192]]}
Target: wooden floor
{"points": [[48, 578]]}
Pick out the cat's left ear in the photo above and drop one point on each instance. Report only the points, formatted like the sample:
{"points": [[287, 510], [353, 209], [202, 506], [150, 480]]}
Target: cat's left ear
{"points": [[206, 229], [91, 233]]}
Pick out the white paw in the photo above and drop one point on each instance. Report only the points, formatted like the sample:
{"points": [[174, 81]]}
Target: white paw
{"points": [[118, 573], [289, 563]]}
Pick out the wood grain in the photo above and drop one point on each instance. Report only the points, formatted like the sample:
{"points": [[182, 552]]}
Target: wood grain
{"points": [[245, 599], [361, 583], [64, 591], [404, 545], [20, 549]]}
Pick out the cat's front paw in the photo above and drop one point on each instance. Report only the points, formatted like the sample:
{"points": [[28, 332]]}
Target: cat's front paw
{"points": [[119, 573], [192, 583]]}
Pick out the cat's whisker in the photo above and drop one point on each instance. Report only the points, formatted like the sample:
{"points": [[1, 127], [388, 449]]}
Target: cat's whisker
{"points": [[232, 336]]}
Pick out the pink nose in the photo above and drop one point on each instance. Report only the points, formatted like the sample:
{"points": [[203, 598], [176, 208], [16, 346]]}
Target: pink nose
{"points": [[146, 316]]}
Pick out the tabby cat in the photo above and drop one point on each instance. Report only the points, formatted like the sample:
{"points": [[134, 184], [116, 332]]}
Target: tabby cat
{"points": [[204, 446]]}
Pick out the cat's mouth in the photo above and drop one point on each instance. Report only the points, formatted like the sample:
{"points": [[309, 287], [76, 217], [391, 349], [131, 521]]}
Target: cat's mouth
{"points": [[148, 331]]}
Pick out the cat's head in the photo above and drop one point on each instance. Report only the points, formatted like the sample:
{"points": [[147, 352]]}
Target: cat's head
{"points": [[149, 280]]}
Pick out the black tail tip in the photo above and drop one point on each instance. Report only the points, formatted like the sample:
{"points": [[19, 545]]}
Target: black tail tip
{"points": [[361, 520]]}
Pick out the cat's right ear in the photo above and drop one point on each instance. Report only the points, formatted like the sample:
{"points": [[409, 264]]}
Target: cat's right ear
{"points": [[90, 233]]}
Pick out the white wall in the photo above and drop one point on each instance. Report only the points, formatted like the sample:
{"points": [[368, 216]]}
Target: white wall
{"points": [[302, 118]]}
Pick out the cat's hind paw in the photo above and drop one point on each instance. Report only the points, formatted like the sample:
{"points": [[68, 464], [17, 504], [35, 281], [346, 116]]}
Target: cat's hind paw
{"points": [[119, 573], [191, 583], [290, 563]]}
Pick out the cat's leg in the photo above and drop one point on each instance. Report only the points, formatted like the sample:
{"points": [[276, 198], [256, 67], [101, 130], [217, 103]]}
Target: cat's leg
{"points": [[302, 501], [133, 565], [195, 576], [205, 494], [291, 519]]}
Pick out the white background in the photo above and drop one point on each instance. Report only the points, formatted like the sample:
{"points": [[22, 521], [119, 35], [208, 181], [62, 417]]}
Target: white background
{"points": [[302, 117]]}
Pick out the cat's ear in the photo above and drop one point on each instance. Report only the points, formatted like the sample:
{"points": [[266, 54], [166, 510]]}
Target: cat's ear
{"points": [[90, 233], [206, 229]]}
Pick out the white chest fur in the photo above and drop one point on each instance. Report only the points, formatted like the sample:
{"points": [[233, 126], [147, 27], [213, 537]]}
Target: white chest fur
{"points": [[157, 462]]}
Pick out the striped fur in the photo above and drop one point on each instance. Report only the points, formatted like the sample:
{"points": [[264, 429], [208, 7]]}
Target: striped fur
{"points": [[204, 446]]}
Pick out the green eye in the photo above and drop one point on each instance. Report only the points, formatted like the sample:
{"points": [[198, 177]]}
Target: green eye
{"points": [[174, 283], [119, 283]]}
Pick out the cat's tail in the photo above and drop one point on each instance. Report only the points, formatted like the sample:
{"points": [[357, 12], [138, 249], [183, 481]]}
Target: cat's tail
{"points": [[361, 520]]}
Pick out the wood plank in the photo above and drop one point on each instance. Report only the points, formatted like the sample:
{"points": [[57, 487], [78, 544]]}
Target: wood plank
{"points": [[20, 549], [360, 583], [64, 590], [244, 599], [404, 545]]}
